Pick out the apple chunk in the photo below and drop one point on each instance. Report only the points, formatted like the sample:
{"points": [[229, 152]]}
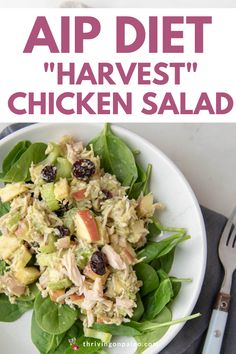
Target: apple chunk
{"points": [[79, 195], [86, 226]]}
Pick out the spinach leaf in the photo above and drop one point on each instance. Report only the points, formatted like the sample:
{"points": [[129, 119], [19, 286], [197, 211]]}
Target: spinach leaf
{"points": [[162, 274], [116, 157], [2, 267], [154, 250], [157, 300], [86, 345], [11, 312], [167, 260], [154, 229], [172, 245], [156, 263], [147, 181], [4, 208], [165, 228], [44, 341], [14, 155], [121, 330], [139, 310], [148, 276], [177, 284], [53, 318], [33, 292], [153, 336], [147, 326], [142, 182], [137, 186], [19, 171], [74, 332]]}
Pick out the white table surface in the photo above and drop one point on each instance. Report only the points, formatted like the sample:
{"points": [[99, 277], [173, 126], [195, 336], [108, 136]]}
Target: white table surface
{"points": [[205, 153]]}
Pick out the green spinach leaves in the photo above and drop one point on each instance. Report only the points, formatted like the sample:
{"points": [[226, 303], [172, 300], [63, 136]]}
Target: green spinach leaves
{"points": [[149, 278], [53, 318], [116, 157], [154, 250], [14, 155], [19, 169], [11, 312]]}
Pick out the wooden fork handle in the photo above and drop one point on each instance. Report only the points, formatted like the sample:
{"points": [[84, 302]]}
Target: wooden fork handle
{"points": [[217, 325]]}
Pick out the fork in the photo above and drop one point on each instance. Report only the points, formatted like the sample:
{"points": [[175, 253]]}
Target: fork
{"points": [[227, 254]]}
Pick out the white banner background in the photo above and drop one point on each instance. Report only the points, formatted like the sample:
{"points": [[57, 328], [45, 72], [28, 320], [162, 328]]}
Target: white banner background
{"points": [[21, 72]]}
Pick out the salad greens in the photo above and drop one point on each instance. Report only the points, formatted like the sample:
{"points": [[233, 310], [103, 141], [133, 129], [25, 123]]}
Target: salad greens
{"points": [[49, 315], [116, 157], [14, 155], [45, 342], [56, 328], [11, 312], [154, 250], [4, 208], [149, 277], [17, 167], [139, 310]]}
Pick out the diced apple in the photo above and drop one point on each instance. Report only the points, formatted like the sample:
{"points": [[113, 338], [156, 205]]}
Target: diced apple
{"points": [[145, 206], [76, 299], [10, 191], [54, 295], [21, 257], [92, 275], [61, 189], [86, 226], [27, 275], [79, 195], [8, 245]]}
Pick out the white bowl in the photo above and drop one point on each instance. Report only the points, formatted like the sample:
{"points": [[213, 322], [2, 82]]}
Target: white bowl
{"points": [[171, 188]]}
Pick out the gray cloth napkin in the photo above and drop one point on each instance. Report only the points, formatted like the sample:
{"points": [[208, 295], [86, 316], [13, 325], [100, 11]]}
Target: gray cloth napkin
{"points": [[191, 338]]}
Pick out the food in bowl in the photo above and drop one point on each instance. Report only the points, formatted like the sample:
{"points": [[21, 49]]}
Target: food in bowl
{"points": [[77, 245]]}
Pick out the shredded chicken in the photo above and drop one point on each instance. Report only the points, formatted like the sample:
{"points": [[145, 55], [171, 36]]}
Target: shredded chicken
{"points": [[72, 271], [91, 297], [113, 258], [12, 285], [63, 243], [90, 318], [72, 291], [73, 151], [125, 304]]}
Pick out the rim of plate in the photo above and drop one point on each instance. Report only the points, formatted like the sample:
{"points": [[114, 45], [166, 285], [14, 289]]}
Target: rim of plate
{"points": [[167, 338]]}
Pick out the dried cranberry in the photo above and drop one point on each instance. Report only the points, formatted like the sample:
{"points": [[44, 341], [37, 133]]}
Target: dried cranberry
{"points": [[107, 194], [64, 231], [98, 263], [83, 169], [73, 238], [49, 173], [27, 245]]}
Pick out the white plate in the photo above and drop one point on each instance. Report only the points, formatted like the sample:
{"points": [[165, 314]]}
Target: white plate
{"points": [[170, 187]]}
